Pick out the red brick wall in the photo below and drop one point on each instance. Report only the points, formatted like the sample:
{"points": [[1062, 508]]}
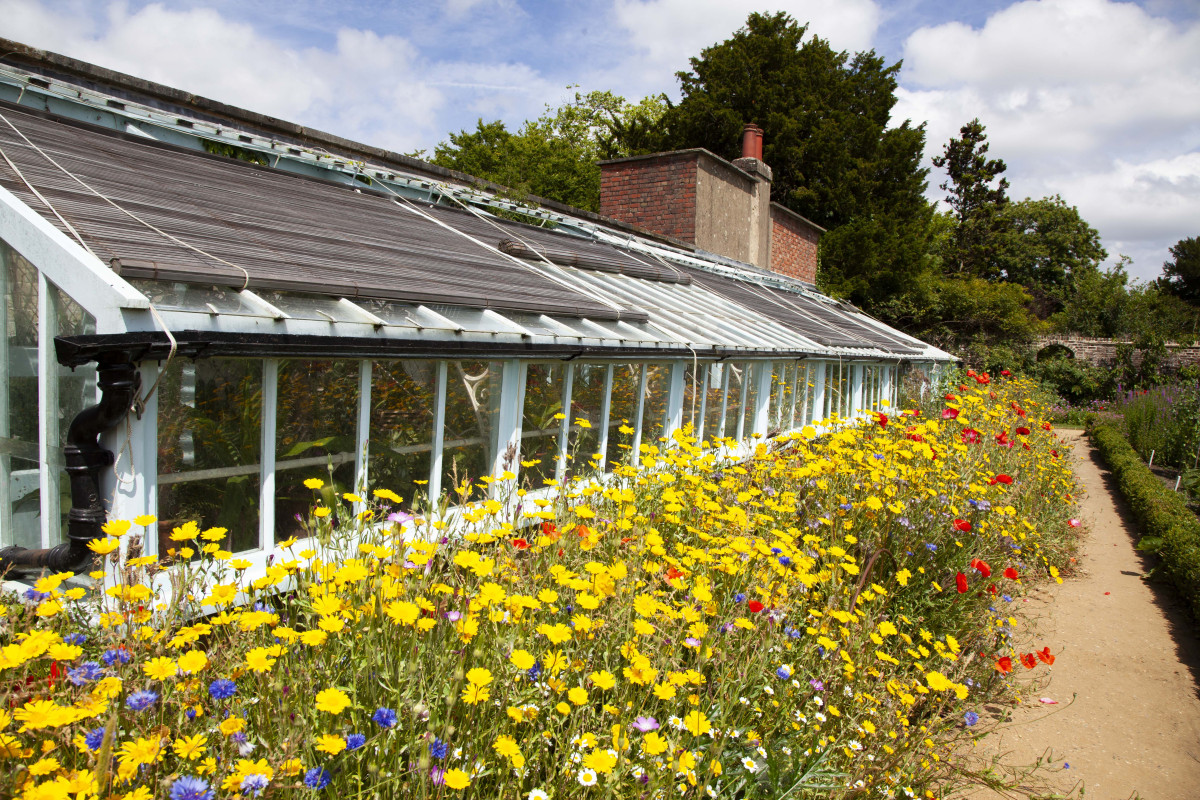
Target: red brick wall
{"points": [[658, 194], [793, 246]]}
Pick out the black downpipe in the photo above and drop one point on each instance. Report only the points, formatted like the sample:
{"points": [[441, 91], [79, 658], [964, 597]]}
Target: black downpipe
{"points": [[119, 381]]}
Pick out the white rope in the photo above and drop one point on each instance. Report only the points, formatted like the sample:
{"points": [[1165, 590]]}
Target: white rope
{"points": [[48, 205], [123, 210]]}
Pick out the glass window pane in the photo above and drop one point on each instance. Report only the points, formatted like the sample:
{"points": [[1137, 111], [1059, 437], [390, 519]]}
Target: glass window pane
{"points": [[316, 416], [623, 412], [846, 388], [693, 390], [733, 402], [401, 432], [76, 391], [209, 429], [752, 373], [539, 429], [713, 386], [587, 403], [654, 412], [20, 495], [472, 404]]}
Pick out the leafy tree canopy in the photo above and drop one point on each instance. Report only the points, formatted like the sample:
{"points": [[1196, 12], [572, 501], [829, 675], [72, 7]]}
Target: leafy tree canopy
{"points": [[555, 155], [1181, 274], [824, 116], [976, 203]]}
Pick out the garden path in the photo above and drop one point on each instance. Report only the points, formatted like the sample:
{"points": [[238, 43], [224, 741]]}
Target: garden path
{"points": [[1126, 652]]}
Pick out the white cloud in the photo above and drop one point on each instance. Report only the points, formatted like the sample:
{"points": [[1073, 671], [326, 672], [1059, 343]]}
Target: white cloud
{"points": [[366, 86], [1093, 99], [664, 34]]}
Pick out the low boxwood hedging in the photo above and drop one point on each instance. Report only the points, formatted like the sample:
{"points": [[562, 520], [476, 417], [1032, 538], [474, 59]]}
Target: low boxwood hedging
{"points": [[1168, 526]]}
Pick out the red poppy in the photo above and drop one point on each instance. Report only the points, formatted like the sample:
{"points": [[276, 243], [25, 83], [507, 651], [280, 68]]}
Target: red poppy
{"points": [[970, 373], [1002, 478], [1005, 373], [1054, 453], [548, 529], [949, 413], [983, 379], [1004, 665], [992, 589], [582, 531], [1022, 431], [1044, 656], [962, 525], [755, 606], [673, 573], [1045, 426], [626, 539], [1028, 660], [883, 420], [970, 436], [982, 567], [960, 580], [950, 398], [520, 544], [1002, 437], [1011, 574]]}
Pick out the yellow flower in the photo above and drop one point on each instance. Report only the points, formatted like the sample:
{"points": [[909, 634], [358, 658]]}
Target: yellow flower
{"points": [[474, 694], [140, 751], [314, 638], [328, 743], [314, 483], [333, 701], [603, 679], [231, 725], [522, 659], [479, 677], [103, 547], [653, 744], [260, 660], [563, 709], [506, 747], [577, 695], [214, 534], [190, 747], [456, 779], [321, 512], [160, 668], [116, 527], [938, 682], [387, 494], [697, 723], [45, 766], [145, 519]]}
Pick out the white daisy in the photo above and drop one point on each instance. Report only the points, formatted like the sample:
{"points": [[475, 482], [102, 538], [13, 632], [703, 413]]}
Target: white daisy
{"points": [[587, 777]]}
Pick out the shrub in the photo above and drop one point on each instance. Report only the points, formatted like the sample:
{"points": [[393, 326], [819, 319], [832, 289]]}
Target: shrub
{"points": [[1168, 526]]}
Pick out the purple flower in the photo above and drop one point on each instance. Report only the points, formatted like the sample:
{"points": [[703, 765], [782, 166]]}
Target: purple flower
{"points": [[253, 784], [453, 616], [114, 655], [317, 778], [645, 724], [816, 684], [87, 672], [190, 787], [437, 775], [692, 641], [970, 718], [399, 517], [140, 701]]}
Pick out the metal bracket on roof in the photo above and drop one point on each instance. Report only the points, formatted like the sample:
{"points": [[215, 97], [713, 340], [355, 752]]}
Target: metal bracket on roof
{"points": [[274, 312], [355, 308], [212, 310], [332, 319], [503, 320], [439, 320]]}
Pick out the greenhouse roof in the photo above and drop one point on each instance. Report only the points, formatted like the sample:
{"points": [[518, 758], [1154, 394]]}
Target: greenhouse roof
{"points": [[318, 252]]}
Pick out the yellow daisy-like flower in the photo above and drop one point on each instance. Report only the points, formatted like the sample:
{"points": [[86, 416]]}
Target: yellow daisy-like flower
{"points": [[103, 547], [456, 779], [190, 747], [474, 694], [328, 743], [193, 661], [314, 483], [332, 701], [522, 659], [260, 659], [479, 676], [160, 668]]}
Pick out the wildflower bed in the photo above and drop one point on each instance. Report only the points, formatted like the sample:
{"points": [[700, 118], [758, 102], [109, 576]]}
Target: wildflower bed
{"points": [[826, 618]]}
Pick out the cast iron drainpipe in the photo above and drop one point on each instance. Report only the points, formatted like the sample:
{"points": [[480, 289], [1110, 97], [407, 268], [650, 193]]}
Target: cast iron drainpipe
{"points": [[119, 381]]}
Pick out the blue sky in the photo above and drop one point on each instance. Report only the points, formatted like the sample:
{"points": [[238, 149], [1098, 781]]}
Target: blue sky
{"points": [[1096, 100]]}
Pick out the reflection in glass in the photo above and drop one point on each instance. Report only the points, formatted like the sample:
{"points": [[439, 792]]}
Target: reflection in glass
{"points": [[472, 404], [587, 404], [401, 430], [654, 411], [209, 423], [540, 425], [623, 412], [20, 494], [316, 416], [751, 396], [714, 386], [734, 397], [76, 391]]}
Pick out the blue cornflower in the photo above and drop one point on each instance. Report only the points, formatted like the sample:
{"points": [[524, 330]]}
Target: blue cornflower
{"points": [[785, 561], [222, 689], [1007, 598], [931, 547], [776, 551], [94, 738], [877, 456], [438, 749], [76, 639], [115, 655], [355, 741], [739, 598], [317, 778], [191, 788], [384, 717], [970, 718], [534, 671], [86, 672], [254, 783], [140, 701], [33, 595], [846, 506], [784, 672]]}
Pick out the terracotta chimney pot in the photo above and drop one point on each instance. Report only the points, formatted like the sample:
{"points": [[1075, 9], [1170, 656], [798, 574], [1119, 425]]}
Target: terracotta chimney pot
{"points": [[752, 138]]}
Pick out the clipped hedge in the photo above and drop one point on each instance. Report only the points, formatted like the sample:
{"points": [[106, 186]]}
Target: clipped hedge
{"points": [[1168, 526]]}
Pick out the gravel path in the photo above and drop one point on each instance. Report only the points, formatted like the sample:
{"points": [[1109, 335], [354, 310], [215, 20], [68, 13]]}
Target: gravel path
{"points": [[1128, 654]]}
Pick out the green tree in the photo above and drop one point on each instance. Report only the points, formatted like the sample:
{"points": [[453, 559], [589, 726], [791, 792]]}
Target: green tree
{"points": [[1181, 274], [555, 156], [976, 203], [825, 118], [1046, 247]]}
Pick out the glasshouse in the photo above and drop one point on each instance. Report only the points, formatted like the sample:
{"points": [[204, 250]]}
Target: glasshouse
{"points": [[204, 306]]}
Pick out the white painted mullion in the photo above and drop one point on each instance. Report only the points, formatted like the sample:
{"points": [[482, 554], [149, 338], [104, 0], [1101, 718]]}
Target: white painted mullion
{"points": [[48, 429], [605, 416], [508, 424], [637, 423], [673, 416], [796, 367], [762, 397], [439, 434], [702, 387], [819, 392], [564, 429], [857, 372], [6, 528], [362, 437], [887, 385], [270, 395], [725, 371], [747, 377]]}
